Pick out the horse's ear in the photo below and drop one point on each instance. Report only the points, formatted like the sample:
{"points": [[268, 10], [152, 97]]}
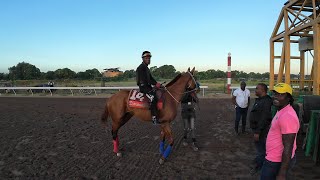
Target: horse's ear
{"points": [[192, 71], [189, 69]]}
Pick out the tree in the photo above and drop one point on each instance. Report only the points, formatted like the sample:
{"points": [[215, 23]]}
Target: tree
{"points": [[89, 74], [24, 71], [50, 75], [265, 75], [165, 71], [4, 76], [64, 73], [129, 74]]}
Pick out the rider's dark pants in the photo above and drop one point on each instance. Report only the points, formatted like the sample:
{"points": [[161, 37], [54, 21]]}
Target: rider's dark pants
{"points": [[153, 103]]}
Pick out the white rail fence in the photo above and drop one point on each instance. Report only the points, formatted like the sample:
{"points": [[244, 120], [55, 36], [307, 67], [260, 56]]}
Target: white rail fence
{"points": [[72, 89]]}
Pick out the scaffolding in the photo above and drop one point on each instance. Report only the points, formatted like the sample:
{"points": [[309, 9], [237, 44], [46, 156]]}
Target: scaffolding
{"points": [[299, 24]]}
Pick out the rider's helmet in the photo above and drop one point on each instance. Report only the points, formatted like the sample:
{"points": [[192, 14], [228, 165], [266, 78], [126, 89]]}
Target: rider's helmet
{"points": [[146, 54]]}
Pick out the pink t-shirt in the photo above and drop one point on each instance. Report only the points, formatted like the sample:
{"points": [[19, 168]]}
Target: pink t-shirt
{"points": [[284, 122]]}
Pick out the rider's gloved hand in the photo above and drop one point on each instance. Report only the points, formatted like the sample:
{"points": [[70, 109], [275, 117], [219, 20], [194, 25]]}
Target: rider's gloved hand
{"points": [[158, 85]]}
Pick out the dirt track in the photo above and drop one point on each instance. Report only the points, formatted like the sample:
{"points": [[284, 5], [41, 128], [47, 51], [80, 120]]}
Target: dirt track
{"points": [[59, 138]]}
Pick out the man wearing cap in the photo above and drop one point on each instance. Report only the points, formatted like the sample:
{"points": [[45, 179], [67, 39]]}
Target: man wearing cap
{"points": [[241, 100], [281, 139], [144, 81]]}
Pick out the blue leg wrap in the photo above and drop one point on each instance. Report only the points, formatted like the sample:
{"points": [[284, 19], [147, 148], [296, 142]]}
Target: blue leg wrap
{"points": [[161, 147], [167, 152]]}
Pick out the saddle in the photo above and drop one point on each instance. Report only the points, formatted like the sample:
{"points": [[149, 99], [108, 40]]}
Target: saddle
{"points": [[140, 100]]}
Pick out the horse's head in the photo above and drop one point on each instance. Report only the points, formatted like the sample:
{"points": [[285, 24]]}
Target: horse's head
{"points": [[192, 83]]}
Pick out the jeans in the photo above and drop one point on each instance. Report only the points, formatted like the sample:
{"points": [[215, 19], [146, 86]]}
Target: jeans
{"points": [[241, 113], [270, 169], [188, 117], [261, 152]]}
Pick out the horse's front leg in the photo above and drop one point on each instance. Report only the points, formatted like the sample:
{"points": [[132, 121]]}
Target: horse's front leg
{"points": [[162, 142], [165, 152]]}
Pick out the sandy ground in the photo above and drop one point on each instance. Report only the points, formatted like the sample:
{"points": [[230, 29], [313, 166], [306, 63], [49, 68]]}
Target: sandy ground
{"points": [[60, 138]]}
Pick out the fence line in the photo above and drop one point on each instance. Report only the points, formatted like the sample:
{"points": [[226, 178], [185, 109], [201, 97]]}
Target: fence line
{"points": [[77, 88]]}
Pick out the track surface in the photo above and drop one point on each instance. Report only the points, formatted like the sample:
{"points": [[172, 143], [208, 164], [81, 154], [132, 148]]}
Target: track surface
{"points": [[60, 138]]}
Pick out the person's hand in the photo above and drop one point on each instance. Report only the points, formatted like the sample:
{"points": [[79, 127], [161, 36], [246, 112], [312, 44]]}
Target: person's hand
{"points": [[256, 137], [158, 85]]}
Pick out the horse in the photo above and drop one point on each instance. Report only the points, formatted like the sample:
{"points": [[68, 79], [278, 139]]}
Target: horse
{"points": [[49, 84], [118, 109]]}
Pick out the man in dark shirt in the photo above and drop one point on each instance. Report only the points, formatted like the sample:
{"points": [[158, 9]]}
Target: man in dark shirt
{"points": [[260, 119], [188, 115], [144, 81]]}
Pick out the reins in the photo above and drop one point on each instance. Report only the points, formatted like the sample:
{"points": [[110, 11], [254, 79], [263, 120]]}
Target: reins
{"points": [[185, 91]]}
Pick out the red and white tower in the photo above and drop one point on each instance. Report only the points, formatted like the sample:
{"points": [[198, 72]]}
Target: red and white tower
{"points": [[229, 74]]}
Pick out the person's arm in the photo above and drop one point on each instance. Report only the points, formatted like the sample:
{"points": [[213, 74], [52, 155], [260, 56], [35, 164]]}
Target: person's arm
{"points": [[287, 140], [194, 97], [234, 101], [265, 115]]}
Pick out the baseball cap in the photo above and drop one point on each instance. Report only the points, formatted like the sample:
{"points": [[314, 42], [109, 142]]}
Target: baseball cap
{"points": [[283, 88]]}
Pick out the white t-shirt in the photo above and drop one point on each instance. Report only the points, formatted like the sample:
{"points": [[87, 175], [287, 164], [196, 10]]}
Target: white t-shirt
{"points": [[242, 97]]}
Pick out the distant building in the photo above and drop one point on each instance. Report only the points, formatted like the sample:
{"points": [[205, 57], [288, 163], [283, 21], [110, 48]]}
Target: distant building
{"points": [[111, 72]]}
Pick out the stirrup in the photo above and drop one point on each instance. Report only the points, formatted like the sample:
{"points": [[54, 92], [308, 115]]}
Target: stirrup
{"points": [[155, 121]]}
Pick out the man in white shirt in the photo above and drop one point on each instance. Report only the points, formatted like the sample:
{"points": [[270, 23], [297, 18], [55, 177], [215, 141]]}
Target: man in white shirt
{"points": [[241, 100]]}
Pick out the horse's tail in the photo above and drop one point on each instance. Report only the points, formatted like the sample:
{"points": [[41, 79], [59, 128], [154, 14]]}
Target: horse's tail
{"points": [[105, 115]]}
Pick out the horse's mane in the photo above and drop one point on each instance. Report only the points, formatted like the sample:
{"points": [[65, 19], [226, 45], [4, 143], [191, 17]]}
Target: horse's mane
{"points": [[174, 80]]}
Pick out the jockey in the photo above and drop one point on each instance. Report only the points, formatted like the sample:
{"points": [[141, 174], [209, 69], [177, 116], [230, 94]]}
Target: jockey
{"points": [[144, 81], [188, 115]]}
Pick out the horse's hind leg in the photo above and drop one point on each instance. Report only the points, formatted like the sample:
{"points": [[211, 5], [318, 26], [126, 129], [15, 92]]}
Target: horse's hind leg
{"points": [[115, 128]]}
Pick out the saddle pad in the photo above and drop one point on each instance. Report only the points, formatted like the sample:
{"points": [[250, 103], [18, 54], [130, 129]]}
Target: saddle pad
{"points": [[138, 100]]}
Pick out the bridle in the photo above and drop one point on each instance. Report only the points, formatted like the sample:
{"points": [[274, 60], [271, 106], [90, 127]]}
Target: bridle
{"points": [[185, 88]]}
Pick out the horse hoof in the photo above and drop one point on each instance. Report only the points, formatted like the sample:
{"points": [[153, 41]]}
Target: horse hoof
{"points": [[161, 161], [119, 154]]}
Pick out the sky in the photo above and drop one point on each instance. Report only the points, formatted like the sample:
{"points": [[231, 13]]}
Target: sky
{"points": [[86, 34]]}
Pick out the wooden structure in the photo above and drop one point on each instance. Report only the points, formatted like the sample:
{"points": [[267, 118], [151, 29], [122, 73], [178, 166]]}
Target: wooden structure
{"points": [[298, 19], [112, 72]]}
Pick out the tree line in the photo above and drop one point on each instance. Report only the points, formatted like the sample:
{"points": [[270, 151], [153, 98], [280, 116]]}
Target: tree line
{"points": [[27, 71]]}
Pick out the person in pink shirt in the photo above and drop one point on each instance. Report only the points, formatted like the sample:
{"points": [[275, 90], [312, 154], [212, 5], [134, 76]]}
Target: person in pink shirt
{"points": [[281, 139]]}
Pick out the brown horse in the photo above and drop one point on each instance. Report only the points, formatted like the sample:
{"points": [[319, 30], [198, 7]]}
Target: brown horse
{"points": [[119, 111]]}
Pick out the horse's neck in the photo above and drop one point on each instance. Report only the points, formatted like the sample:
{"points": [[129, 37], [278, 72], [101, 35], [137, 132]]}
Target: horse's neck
{"points": [[177, 89]]}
